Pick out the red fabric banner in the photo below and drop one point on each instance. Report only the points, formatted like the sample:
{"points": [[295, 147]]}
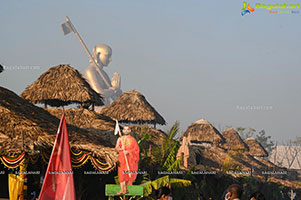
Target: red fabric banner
{"points": [[58, 183]]}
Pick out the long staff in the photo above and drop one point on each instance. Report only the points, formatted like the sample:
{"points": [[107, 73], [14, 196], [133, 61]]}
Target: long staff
{"points": [[71, 26]]}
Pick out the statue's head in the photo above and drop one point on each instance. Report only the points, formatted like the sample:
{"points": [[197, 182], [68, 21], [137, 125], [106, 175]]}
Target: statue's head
{"points": [[102, 53]]}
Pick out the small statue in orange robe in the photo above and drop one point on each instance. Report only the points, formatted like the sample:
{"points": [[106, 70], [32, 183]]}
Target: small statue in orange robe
{"points": [[128, 159]]}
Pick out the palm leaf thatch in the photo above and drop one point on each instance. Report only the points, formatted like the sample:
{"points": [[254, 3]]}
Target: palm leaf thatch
{"points": [[84, 118], [1, 68], [3, 137], [255, 148], [88, 120], [203, 131], [233, 140], [132, 107], [61, 85], [155, 135], [26, 127]]}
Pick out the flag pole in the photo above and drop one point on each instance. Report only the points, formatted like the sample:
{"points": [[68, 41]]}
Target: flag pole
{"points": [[87, 51], [122, 146]]}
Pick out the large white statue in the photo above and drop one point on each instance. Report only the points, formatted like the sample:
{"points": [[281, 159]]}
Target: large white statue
{"points": [[99, 79]]}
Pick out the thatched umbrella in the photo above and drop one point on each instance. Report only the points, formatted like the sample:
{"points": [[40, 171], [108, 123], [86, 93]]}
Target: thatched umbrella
{"points": [[255, 148], [32, 129], [233, 140], [1, 68], [61, 85], [132, 107], [202, 131]]}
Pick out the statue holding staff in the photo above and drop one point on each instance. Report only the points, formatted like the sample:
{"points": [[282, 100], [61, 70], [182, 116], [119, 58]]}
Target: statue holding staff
{"points": [[95, 75]]}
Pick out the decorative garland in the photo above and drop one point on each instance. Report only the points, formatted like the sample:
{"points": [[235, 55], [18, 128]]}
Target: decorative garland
{"points": [[13, 161], [78, 159], [101, 166]]}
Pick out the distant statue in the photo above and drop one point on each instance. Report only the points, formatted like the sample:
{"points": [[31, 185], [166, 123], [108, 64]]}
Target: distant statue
{"points": [[99, 79], [183, 151]]}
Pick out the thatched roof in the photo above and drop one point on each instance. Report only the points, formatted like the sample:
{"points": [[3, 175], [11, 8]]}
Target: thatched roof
{"points": [[61, 85], [132, 107], [255, 148], [203, 131], [233, 140], [156, 136], [84, 118], [3, 137], [1, 68], [21, 120], [90, 121]]}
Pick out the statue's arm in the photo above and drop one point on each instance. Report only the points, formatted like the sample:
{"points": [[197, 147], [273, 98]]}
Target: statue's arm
{"points": [[94, 80]]}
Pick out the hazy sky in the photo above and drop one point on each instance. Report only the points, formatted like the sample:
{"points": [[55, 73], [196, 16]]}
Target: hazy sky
{"points": [[191, 59]]}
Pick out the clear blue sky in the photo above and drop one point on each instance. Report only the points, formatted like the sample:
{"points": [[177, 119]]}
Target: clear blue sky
{"points": [[191, 59]]}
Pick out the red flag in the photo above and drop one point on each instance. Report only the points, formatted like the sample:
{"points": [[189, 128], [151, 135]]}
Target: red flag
{"points": [[58, 183]]}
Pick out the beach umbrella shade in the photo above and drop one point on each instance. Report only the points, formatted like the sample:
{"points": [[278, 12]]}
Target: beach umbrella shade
{"points": [[59, 86], [132, 107]]}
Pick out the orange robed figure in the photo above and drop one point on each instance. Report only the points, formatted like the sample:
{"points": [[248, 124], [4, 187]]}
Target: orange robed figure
{"points": [[128, 159]]}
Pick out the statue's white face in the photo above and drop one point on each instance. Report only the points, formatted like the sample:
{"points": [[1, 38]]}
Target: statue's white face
{"points": [[103, 54]]}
